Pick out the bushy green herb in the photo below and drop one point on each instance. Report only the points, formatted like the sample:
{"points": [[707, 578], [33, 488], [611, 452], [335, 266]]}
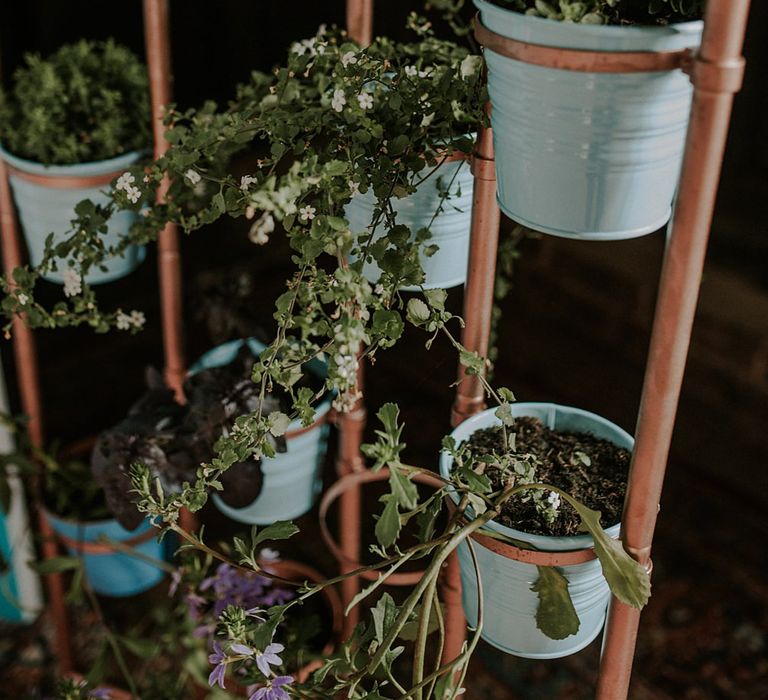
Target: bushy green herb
{"points": [[88, 101]]}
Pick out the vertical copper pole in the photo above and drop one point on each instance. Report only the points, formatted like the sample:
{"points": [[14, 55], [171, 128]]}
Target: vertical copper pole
{"points": [[25, 353], [478, 308], [716, 75], [360, 21], [156, 34], [352, 424], [350, 459], [156, 37]]}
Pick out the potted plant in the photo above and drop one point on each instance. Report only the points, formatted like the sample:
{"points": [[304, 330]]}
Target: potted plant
{"points": [[72, 123], [587, 457], [589, 155], [280, 487], [75, 506], [326, 131]]}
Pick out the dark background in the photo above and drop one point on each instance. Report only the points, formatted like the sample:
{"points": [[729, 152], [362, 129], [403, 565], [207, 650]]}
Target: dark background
{"points": [[575, 330]]}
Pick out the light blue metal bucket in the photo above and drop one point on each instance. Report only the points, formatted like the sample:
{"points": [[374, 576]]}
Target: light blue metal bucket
{"points": [[44, 209], [594, 156], [509, 621], [114, 574], [450, 228], [292, 479]]}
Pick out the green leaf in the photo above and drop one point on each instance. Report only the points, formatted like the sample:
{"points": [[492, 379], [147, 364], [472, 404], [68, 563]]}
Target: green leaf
{"points": [[555, 616], [411, 628], [628, 580], [472, 361], [388, 524], [388, 415], [56, 565], [278, 423], [384, 614], [436, 298], [403, 489], [504, 414], [280, 530], [417, 312]]}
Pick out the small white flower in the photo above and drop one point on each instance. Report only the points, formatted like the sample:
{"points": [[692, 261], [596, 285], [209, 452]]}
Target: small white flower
{"points": [[261, 228], [338, 100], [298, 48], [554, 500], [411, 71], [354, 187], [365, 100], [322, 30], [123, 321], [307, 213], [138, 318], [146, 179], [193, 176], [73, 283], [133, 193], [250, 212], [379, 289], [348, 59], [246, 181], [124, 181], [426, 120], [22, 299]]}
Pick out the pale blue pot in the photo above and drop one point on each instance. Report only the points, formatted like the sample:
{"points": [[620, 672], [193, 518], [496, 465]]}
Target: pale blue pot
{"points": [[594, 156], [43, 210], [510, 606], [114, 574], [292, 479], [450, 228]]}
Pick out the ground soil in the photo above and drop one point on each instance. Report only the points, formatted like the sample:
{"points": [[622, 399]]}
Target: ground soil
{"points": [[592, 470]]}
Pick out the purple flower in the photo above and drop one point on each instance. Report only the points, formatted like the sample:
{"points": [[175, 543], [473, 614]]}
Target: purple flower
{"points": [[269, 656], [101, 693], [242, 649], [273, 690], [220, 660]]}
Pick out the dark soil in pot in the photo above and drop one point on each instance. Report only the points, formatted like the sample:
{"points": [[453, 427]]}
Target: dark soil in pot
{"points": [[592, 470]]}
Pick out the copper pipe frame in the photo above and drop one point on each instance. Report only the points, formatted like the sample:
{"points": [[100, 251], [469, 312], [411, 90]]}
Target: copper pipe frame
{"points": [[350, 460], [478, 309], [716, 77], [360, 21], [352, 482], [156, 33], [25, 354]]}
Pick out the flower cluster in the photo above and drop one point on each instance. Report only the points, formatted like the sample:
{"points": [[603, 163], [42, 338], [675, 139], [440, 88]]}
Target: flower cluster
{"points": [[125, 184], [132, 321]]}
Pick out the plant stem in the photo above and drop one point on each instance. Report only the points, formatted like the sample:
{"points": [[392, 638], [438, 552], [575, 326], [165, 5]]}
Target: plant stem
{"points": [[421, 635]]}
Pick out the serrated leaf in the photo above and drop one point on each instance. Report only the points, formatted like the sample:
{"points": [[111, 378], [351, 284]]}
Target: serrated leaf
{"points": [[388, 524], [280, 530], [403, 489], [555, 615], [388, 415], [628, 580], [384, 614]]}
